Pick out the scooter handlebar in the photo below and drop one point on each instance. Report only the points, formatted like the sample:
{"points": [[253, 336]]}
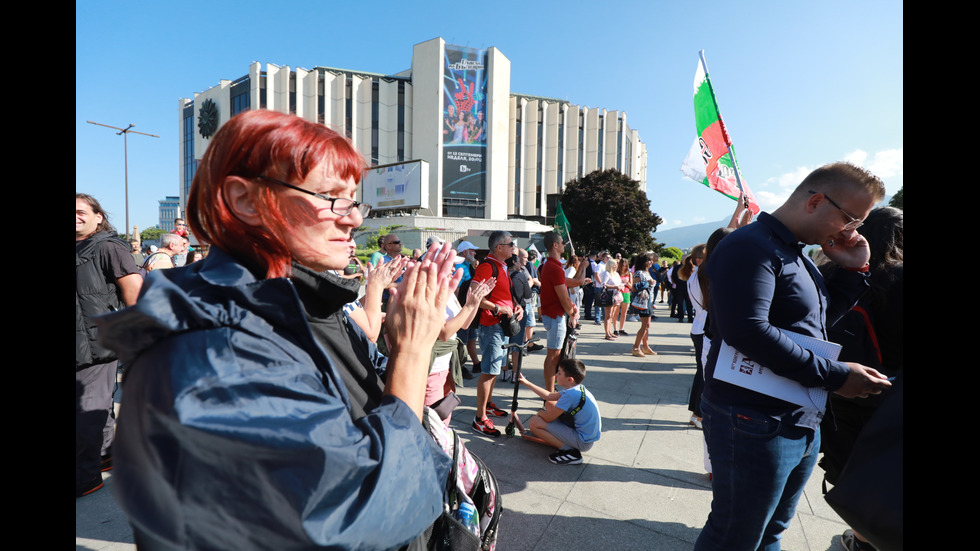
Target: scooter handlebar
{"points": [[532, 340]]}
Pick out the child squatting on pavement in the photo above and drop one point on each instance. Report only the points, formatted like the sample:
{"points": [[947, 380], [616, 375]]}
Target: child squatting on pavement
{"points": [[570, 420]]}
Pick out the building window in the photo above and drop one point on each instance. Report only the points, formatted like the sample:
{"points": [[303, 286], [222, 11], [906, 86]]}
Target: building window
{"points": [[518, 147], [348, 106], [375, 114], [401, 120], [561, 150], [629, 158], [190, 163], [619, 146], [539, 184], [241, 95], [321, 99], [263, 91], [602, 138]]}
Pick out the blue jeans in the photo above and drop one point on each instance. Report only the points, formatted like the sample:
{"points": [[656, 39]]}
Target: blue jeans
{"points": [[759, 468]]}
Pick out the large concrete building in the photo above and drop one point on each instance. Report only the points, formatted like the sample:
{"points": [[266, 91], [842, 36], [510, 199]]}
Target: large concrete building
{"points": [[453, 150]]}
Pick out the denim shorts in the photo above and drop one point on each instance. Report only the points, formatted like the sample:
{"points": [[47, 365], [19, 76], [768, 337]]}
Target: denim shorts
{"points": [[492, 356], [556, 328], [529, 314], [466, 334]]}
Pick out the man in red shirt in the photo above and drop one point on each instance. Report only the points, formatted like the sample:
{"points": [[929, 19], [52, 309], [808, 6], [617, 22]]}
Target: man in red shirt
{"points": [[498, 303], [555, 304]]}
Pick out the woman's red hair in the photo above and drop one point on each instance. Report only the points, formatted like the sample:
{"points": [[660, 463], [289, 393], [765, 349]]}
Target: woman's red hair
{"points": [[262, 143]]}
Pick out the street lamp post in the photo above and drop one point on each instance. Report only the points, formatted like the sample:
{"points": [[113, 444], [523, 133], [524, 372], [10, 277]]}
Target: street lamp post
{"points": [[125, 133]]}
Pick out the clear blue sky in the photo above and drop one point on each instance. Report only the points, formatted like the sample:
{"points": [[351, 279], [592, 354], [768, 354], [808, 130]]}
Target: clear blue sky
{"points": [[799, 84]]}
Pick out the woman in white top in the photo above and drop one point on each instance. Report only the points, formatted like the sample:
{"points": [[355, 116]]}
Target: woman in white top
{"points": [[611, 280], [573, 271], [439, 383]]}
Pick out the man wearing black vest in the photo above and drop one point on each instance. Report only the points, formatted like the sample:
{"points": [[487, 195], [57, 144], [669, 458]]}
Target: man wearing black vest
{"points": [[106, 279]]}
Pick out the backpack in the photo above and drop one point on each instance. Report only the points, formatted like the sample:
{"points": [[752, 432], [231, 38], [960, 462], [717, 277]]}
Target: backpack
{"points": [[146, 262], [568, 417], [471, 512]]}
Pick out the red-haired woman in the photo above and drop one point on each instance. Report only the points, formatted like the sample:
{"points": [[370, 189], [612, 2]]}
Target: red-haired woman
{"points": [[257, 416]]}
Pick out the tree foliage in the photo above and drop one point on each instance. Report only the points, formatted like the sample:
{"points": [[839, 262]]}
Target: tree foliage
{"points": [[897, 200], [670, 254], [151, 234], [608, 211], [370, 243]]}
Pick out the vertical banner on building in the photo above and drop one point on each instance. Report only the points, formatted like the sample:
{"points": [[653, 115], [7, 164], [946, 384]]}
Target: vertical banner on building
{"points": [[464, 129]]}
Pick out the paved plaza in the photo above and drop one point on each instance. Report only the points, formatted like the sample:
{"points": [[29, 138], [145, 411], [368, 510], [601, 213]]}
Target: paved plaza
{"points": [[643, 486]]}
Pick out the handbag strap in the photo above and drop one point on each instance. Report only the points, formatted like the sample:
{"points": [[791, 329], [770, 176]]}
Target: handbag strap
{"points": [[496, 273]]}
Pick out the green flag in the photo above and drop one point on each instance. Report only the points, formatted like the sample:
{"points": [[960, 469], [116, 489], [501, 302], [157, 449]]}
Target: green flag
{"points": [[561, 223], [562, 226]]}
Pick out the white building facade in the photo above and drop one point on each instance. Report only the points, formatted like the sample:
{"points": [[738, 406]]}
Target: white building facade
{"points": [[495, 159]]}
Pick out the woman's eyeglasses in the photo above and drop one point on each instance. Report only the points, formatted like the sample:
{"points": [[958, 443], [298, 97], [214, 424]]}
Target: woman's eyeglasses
{"points": [[338, 205]]}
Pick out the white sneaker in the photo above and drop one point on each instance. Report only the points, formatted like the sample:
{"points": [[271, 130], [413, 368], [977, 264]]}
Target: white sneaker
{"points": [[696, 421]]}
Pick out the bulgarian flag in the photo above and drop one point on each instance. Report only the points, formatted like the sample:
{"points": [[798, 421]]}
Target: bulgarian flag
{"points": [[711, 159]]}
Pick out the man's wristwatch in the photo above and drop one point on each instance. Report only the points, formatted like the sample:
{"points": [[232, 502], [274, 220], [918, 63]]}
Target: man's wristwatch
{"points": [[862, 270]]}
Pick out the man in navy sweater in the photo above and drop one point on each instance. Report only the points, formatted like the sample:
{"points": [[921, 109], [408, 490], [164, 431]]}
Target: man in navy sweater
{"points": [[763, 449]]}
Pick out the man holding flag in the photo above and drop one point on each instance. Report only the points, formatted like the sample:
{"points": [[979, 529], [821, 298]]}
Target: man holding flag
{"points": [[555, 305]]}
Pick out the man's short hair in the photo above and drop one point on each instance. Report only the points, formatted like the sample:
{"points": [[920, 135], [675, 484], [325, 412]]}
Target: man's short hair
{"points": [[496, 238], [432, 240], [574, 368], [840, 177], [178, 220], [550, 239], [381, 241], [168, 239]]}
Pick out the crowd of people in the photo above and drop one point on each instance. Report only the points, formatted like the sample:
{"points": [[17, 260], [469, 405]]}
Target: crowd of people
{"points": [[269, 403]]}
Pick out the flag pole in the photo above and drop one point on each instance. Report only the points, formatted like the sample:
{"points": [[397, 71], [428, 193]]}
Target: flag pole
{"points": [[570, 245], [724, 131]]}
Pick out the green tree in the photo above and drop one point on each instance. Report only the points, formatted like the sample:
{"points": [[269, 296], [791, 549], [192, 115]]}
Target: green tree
{"points": [[150, 234], [608, 210], [370, 246], [897, 199], [670, 254]]}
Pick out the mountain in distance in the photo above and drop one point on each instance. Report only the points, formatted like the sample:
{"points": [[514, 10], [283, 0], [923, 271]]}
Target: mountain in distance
{"points": [[686, 237]]}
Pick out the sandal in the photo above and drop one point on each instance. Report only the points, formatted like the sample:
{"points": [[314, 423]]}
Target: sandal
{"points": [[638, 354], [649, 351]]}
